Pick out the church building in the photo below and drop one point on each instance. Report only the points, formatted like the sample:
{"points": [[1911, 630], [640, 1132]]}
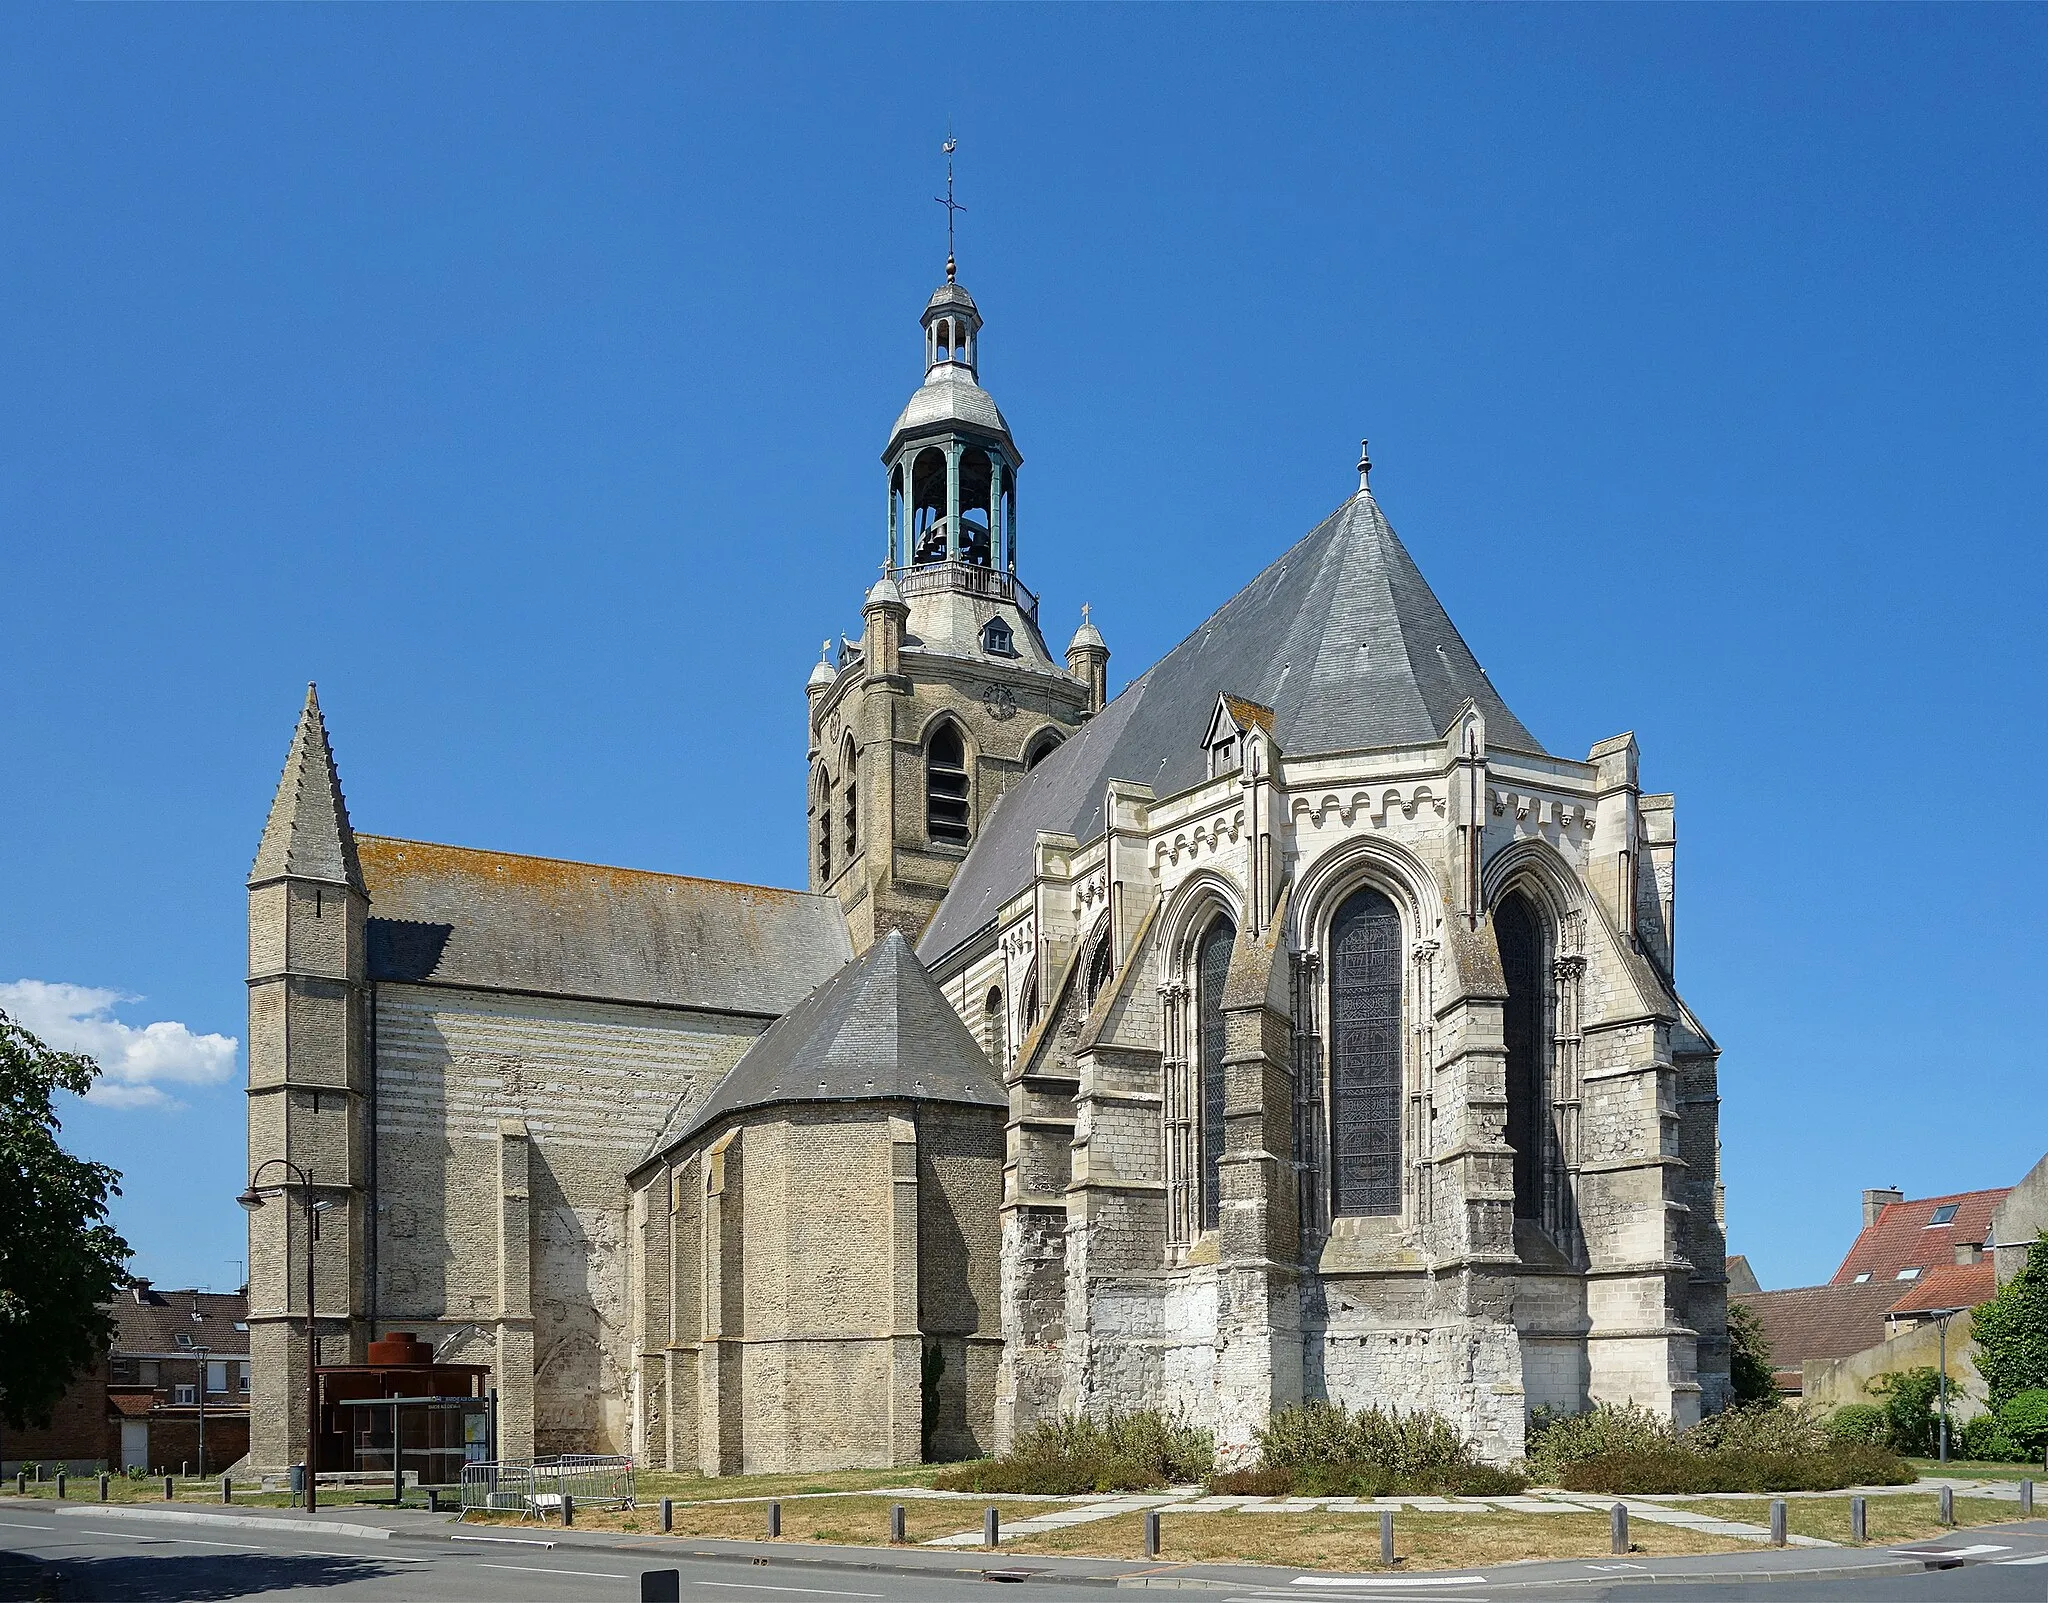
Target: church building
{"points": [[1294, 1025]]}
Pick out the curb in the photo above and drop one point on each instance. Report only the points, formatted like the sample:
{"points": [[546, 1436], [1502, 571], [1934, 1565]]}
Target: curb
{"points": [[374, 1533]]}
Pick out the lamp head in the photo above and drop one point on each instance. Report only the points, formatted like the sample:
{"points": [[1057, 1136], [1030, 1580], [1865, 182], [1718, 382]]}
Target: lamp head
{"points": [[250, 1199]]}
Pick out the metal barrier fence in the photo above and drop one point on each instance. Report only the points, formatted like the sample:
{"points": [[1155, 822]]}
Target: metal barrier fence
{"points": [[537, 1487]]}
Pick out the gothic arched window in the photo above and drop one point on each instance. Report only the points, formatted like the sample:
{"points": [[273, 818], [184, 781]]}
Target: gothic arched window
{"points": [[849, 811], [824, 825], [993, 1030], [1101, 968], [1212, 970], [945, 786], [1043, 745], [1520, 934], [1365, 1056]]}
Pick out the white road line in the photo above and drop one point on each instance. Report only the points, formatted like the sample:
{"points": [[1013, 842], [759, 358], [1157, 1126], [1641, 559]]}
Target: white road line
{"points": [[535, 1569], [2038, 1558], [1377, 1581], [373, 1558], [16, 1525], [808, 1591]]}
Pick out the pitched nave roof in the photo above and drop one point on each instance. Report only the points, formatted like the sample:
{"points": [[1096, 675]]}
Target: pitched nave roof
{"points": [[1341, 636]]}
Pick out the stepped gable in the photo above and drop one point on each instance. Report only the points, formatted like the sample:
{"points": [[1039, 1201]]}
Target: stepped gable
{"points": [[1341, 637], [499, 921], [880, 1030]]}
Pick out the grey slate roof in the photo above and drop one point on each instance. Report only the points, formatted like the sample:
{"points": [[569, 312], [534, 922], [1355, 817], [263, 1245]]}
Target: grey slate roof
{"points": [[307, 835], [447, 915], [1341, 637], [948, 395], [878, 1030]]}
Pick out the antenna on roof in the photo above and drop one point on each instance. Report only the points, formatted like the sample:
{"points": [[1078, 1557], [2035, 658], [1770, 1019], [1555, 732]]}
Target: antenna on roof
{"points": [[946, 200]]}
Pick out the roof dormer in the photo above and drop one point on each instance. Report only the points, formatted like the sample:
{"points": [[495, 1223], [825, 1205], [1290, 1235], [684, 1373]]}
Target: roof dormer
{"points": [[1233, 719]]}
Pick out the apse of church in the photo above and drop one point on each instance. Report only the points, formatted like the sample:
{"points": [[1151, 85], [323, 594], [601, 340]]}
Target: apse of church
{"points": [[1292, 1025]]}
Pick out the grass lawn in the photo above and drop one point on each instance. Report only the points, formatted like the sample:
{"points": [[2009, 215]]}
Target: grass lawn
{"points": [[1352, 1541], [1976, 1469], [1909, 1518], [855, 1520]]}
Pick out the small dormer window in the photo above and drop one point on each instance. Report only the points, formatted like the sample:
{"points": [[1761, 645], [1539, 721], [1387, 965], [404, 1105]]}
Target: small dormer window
{"points": [[997, 640], [1223, 756]]}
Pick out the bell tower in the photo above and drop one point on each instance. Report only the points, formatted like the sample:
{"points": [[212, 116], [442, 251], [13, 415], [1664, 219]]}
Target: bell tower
{"points": [[950, 694]]}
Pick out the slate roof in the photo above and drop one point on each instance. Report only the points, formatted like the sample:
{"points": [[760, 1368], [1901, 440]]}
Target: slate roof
{"points": [[150, 1321], [1820, 1321], [307, 834], [447, 915], [1341, 637], [878, 1030], [1901, 1237]]}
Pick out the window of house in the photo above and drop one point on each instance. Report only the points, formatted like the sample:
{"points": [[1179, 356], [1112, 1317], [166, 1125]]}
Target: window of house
{"points": [[997, 640], [148, 1372], [1942, 1215], [1860, 1279], [242, 1375], [184, 1338], [945, 786], [1365, 1056], [1212, 971], [184, 1396], [1908, 1274], [216, 1375]]}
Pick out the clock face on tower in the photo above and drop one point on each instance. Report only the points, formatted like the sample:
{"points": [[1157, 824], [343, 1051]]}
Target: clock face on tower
{"points": [[1001, 704]]}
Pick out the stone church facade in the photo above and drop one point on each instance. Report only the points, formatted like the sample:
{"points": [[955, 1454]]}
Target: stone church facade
{"points": [[1294, 1025]]}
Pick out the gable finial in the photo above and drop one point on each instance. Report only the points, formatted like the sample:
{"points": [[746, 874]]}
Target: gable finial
{"points": [[946, 200], [1364, 465], [1084, 612]]}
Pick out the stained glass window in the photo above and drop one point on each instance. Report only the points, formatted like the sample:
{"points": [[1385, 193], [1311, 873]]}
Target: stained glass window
{"points": [[1212, 970], [1521, 961], [1365, 1057]]}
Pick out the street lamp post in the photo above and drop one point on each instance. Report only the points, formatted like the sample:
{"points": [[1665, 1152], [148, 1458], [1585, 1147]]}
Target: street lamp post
{"points": [[1941, 1318], [252, 1199]]}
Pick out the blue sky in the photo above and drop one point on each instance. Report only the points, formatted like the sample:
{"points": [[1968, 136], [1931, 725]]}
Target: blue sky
{"points": [[520, 373]]}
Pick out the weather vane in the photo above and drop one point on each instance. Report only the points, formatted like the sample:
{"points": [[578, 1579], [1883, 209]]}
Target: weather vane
{"points": [[946, 200]]}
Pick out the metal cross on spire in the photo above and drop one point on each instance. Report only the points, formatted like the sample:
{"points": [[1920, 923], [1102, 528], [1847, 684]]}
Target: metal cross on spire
{"points": [[946, 200]]}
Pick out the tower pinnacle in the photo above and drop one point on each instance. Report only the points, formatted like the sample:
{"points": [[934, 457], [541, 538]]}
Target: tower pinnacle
{"points": [[946, 200]]}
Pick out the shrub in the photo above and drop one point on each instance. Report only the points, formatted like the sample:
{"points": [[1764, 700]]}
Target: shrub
{"points": [[1764, 1427], [2024, 1422], [2011, 1331], [1118, 1452], [1557, 1440], [1749, 1357], [1984, 1438], [1858, 1422], [1908, 1400], [1672, 1470], [1256, 1482], [1325, 1450]]}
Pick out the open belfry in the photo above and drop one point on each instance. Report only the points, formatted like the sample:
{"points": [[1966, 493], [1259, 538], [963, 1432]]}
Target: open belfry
{"points": [[1293, 1025]]}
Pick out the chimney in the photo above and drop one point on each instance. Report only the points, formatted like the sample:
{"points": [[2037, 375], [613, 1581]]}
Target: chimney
{"points": [[1969, 1252], [1874, 1201], [140, 1286]]}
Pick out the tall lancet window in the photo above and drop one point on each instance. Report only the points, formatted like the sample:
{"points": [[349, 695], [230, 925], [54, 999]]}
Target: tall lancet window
{"points": [[1520, 935], [824, 822], [1212, 970], [945, 786], [849, 810], [1365, 1057]]}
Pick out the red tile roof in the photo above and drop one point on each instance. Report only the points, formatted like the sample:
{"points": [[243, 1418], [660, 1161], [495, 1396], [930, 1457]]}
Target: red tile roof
{"points": [[1956, 1285], [1819, 1321], [133, 1405], [1901, 1237]]}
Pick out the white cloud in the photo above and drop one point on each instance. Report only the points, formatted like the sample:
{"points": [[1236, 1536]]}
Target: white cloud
{"points": [[137, 1060]]}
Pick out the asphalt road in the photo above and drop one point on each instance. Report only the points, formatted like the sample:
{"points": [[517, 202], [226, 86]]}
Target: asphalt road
{"points": [[112, 1559]]}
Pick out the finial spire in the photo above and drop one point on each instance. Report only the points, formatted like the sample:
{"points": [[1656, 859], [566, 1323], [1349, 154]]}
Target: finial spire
{"points": [[1364, 465], [946, 200]]}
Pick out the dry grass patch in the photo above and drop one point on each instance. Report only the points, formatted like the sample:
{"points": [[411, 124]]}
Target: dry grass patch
{"points": [[853, 1521], [654, 1484], [1910, 1518], [1352, 1541]]}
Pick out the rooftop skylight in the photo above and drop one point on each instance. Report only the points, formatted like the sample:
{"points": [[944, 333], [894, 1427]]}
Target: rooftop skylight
{"points": [[1942, 1215]]}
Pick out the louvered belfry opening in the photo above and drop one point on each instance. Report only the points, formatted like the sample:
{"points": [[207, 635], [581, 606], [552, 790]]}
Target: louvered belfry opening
{"points": [[945, 786], [1212, 971], [1365, 1057], [1520, 934]]}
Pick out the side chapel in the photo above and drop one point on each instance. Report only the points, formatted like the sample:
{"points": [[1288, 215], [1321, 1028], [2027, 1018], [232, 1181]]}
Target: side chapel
{"points": [[1294, 1025]]}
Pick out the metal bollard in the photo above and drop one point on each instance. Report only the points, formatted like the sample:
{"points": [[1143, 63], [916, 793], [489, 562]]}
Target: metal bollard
{"points": [[668, 1515], [568, 1509], [1948, 1505], [661, 1586], [433, 1499], [185, 1470], [1859, 1519], [896, 1524], [60, 1484], [1617, 1528], [1777, 1522], [1152, 1533], [991, 1529], [21, 1483], [170, 1489], [2026, 1500], [1386, 1536], [227, 1489], [774, 1519], [103, 1486]]}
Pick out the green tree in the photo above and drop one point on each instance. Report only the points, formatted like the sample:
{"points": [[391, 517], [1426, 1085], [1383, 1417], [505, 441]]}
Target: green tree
{"points": [[1749, 1357], [60, 1260], [2012, 1330]]}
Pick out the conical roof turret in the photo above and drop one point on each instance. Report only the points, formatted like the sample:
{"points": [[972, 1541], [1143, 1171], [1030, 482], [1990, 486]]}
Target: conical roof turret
{"points": [[307, 835]]}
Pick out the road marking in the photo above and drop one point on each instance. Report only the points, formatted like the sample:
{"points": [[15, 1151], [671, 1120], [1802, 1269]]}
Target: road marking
{"points": [[510, 1541], [16, 1525], [535, 1569], [2038, 1558], [1971, 1551], [1356, 1581], [808, 1591], [368, 1558]]}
